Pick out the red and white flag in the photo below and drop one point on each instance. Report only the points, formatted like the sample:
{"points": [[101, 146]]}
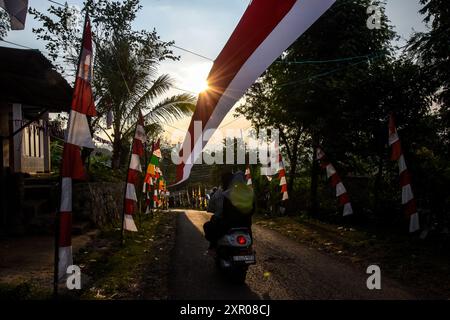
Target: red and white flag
{"points": [[248, 176], [134, 170], [78, 135], [282, 177], [336, 182], [266, 29], [408, 200], [17, 11]]}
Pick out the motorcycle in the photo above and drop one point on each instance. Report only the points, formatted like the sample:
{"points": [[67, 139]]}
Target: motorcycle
{"points": [[234, 253]]}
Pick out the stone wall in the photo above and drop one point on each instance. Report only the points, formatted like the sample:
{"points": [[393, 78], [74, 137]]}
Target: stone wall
{"points": [[99, 203]]}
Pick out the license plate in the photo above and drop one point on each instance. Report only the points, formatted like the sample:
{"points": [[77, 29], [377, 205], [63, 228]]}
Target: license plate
{"points": [[250, 258]]}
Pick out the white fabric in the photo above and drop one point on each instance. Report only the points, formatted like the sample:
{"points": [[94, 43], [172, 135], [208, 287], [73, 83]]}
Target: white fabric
{"points": [[330, 170], [78, 132], [301, 16], [283, 181], [340, 189], [285, 196], [130, 193], [135, 162], [401, 164], [407, 194], [348, 210], [66, 195], [140, 133], [65, 260], [128, 223], [249, 182], [393, 138], [267, 171], [414, 222]]}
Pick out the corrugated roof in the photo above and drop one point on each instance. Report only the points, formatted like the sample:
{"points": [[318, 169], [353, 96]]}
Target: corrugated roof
{"points": [[28, 77]]}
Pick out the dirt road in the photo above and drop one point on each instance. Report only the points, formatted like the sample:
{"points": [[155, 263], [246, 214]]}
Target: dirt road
{"points": [[285, 270]]}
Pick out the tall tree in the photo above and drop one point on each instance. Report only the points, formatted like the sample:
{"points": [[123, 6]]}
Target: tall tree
{"points": [[432, 50], [125, 66], [307, 90]]}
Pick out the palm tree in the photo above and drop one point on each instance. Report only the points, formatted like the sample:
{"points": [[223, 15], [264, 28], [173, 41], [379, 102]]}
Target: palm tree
{"points": [[125, 83]]}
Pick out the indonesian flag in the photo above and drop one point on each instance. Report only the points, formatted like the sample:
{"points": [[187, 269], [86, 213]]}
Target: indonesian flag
{"points": [[408, 201], [266, 29], [336, 182], [17, 10], [282, 177], [134, 169], [78, 135], [248, 176]]}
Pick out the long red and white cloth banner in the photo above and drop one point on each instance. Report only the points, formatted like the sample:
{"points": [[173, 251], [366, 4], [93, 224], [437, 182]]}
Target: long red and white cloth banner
{"points": [[17, 10], [336, 182], [282, 177], [248, 176], [134, 170], [408, 200], [78, 135], [266, 29]]}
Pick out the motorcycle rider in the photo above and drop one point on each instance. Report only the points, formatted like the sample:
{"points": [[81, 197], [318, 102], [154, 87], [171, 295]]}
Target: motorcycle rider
{"points": [[232, 206]]}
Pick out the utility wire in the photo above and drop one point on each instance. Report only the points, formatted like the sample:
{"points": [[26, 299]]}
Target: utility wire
{"points": [[328, 61], [175, 46]]}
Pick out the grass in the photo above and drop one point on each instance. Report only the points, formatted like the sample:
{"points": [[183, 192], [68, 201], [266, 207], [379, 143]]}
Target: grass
{"points": [[423, 266], [26, 290], [110, 270], [118, 272]]}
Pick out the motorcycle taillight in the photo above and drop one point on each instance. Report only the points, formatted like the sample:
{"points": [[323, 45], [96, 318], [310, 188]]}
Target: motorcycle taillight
{"points": [[241, 240]]}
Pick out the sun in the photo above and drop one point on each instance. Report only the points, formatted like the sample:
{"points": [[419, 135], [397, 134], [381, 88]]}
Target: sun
{"points": [[203, 86]]}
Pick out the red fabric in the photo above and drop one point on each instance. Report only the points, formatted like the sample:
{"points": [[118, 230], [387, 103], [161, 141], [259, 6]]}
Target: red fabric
{"points": [[405, 178], [65, 229], [138, 147], [396, 150], [72, 165], [83, 99], [133, 176], [334, 180], [258, 21], [130, 206], [284, 188], [140, 120], [392, 126], [344, 198], [324, 164], [410, 207], [282, 173]]}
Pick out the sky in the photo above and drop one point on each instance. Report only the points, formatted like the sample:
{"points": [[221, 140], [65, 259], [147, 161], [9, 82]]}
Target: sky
{"points": [[204, 26]]}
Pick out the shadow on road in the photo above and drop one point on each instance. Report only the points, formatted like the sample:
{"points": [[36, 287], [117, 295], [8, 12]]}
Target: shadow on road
{"points": [[193, 274]]}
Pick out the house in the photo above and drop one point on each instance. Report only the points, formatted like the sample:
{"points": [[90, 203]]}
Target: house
{"points": [[30, 89]]}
